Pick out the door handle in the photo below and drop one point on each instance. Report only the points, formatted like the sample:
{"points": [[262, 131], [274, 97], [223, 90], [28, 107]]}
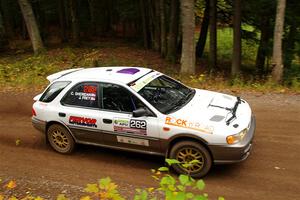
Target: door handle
{"points": [[61, 114], [107, 121]]}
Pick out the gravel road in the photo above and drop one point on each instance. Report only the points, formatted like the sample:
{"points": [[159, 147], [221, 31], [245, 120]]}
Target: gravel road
{"points": [[271, 172]]}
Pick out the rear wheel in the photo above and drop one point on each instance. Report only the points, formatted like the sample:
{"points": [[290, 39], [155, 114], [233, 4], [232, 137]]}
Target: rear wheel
{"points": [[188, 151], [60, 139]]}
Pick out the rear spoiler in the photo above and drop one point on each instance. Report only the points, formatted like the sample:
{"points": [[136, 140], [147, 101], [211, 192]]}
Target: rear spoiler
{"points": [[57, 75]]}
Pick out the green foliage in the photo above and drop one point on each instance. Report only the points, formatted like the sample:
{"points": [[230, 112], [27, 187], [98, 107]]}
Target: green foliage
{"points": [[60, 197], [169, 188], [225, 44], [182, 188], [28, 71], [23, 71], [105, 189], [172, 161]]}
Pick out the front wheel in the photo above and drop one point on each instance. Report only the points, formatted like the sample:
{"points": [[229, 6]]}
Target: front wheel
{"points": [[60, 139], [187, 151]]}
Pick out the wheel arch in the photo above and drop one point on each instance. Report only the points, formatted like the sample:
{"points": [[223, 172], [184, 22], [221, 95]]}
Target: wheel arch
{"points": [[48, 124], [187, 137]]}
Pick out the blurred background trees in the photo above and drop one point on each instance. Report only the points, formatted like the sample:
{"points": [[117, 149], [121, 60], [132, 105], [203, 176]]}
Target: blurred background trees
{"points": [[243, 28]]}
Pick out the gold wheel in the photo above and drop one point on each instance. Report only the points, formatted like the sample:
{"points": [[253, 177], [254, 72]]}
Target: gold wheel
{"points": [[60, 139], [186, 155], [186, 152]]}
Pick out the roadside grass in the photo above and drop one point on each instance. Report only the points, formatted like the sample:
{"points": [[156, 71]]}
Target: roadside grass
{"points": [[22, 71]]}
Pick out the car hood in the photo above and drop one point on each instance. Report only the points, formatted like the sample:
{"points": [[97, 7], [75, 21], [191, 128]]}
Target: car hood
{"points": [[210, 111]]}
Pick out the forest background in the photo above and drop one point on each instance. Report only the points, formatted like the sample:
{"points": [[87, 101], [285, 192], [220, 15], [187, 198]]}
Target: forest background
{"points": [[217, 44]]}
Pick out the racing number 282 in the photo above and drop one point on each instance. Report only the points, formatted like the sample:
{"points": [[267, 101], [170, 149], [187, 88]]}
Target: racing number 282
{"points": [[139, 124]]}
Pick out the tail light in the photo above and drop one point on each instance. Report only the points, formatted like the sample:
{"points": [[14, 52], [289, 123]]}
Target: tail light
{"points": [[33, 112]]}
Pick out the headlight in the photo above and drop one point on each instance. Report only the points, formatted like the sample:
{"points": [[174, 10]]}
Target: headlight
{"points": [[232, 139]]}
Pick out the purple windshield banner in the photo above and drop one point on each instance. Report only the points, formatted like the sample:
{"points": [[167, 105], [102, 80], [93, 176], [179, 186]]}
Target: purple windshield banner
{"points": [[128, 71]]}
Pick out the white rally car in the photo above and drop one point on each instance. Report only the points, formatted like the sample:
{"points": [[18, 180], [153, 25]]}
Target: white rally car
{"points": [[142, 110]]}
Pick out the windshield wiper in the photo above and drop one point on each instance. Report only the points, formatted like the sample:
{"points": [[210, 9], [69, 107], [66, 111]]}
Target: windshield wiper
{"points": [[182, 102], [216, 106], [233, 110]]}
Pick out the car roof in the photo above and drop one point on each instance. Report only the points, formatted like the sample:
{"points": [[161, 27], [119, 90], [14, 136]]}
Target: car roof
{"points": [[114, 74]]}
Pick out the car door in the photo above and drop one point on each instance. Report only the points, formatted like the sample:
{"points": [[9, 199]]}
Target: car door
{"points": [[80, 109], [120, 128]]}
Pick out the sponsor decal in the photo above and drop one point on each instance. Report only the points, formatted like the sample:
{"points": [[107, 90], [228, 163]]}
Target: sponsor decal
{"points": [[130, 125], [121, 122], [90, 89], [128, 71], [89, 93], [188, 124], [137, 86], [135, 141], [83, 121]]}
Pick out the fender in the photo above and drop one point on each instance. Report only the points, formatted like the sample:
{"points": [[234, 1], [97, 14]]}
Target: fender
{"points": [[167, 144], [61, 123]]}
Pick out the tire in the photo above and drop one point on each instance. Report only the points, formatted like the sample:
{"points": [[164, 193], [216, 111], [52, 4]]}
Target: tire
{"points": [[187, 151], [60, 139]]}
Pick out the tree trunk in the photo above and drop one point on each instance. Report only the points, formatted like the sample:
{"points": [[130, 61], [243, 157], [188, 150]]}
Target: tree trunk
{"points": [[188, 43], [212, 34], [163, 31], [151, 22], [62, 20], [156, 25], [92, 8], [203, 33], [3, 37], [263, 45], [24, 32], [173, 31], [289, 49], [40, 18], [277, 46], [74, 21], [237, 47], [31, 25], [7, 17], [144, 24]]}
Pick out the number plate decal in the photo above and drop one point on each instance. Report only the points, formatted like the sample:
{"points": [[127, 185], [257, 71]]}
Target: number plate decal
{"points": [[138, 124], [130, 126]]}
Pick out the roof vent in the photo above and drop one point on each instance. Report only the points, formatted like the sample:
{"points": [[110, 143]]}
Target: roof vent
{"points": [[128, 71]]}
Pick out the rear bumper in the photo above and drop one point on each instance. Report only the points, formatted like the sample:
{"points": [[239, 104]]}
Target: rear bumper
{"points": [[223, 154], [38, 124]]}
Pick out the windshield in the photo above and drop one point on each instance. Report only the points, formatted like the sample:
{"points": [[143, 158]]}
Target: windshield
{"points": [[166, 94]]}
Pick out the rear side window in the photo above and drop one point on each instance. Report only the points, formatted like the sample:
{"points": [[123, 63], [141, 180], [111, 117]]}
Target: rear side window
{"points": [[83, 95], [53, 90]]}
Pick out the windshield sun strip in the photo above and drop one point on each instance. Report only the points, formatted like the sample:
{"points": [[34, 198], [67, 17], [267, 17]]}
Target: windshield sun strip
{"points": [[132, 82], [144, 80]]}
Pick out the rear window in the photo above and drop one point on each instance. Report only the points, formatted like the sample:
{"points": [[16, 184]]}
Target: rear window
{"points": [[53, 90]]}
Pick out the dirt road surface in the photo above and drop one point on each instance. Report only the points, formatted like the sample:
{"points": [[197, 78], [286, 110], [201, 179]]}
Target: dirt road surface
{"points": [[271, 172]]}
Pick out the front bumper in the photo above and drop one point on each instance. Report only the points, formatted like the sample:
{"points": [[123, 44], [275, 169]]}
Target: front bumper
{"points": [[38, 124], [223, 154]]}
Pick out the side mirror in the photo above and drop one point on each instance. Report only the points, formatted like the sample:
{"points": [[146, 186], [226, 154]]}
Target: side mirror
{"points": [[140, 112]]}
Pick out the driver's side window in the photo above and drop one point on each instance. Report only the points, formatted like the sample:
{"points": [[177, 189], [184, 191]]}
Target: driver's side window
{"points": [[117, 98]]}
